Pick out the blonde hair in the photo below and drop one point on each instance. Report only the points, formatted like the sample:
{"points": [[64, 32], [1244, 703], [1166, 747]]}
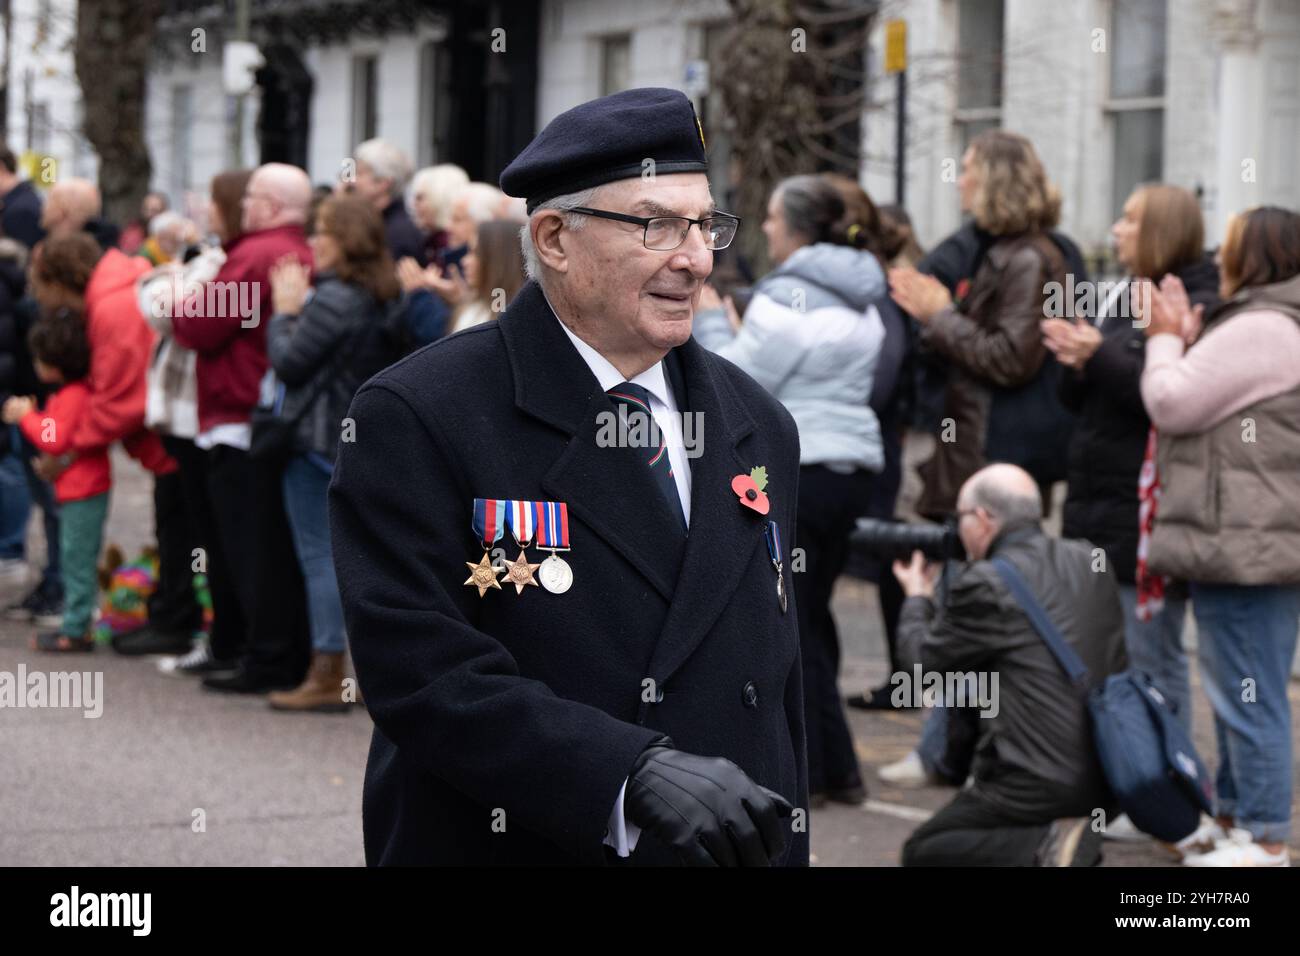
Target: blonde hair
{"points": [[1013, 194], [1171, 233]]}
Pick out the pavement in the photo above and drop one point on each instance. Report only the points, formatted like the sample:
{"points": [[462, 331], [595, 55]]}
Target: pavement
{"points": [[173, 775]]}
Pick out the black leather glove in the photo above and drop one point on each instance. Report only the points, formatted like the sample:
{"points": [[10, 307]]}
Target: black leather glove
{"points": [[705, 808]]}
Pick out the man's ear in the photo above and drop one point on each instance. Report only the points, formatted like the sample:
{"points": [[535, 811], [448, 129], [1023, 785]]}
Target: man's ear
{"points": [[550, 239]]}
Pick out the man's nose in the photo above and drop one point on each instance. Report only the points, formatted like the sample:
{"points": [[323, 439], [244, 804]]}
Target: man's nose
{"points": [[693, 255]]}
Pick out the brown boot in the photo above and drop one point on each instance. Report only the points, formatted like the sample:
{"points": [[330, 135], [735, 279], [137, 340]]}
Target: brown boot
{"points": [[322, 691]]}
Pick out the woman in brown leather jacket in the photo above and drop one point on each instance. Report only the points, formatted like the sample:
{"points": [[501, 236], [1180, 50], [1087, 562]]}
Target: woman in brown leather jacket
{"points": [[999, 404]]}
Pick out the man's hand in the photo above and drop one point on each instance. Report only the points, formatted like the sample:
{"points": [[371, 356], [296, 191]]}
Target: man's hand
{"points": [[916, 577], [706, 809]]}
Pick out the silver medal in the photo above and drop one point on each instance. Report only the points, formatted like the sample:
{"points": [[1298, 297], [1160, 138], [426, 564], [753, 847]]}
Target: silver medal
{"points": [[780, 589], [555, 574]]}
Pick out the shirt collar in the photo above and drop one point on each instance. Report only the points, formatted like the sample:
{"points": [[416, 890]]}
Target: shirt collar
{"points": [[652, 379]]}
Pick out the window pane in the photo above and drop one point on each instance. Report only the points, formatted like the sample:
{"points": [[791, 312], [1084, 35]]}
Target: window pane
{"points": [[615, 65], [1137, 49], [979, 54], [973, 128], [1139, 154], [364, 105]]}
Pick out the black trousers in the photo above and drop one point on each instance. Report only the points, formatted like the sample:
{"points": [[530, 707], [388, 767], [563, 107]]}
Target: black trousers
{"points": [[829, 502], [173, 606], [974, 830], [252, 530], [229, 629]]}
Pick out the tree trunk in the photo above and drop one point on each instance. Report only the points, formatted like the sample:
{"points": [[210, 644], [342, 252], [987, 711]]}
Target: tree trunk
{"points": [[793, 83], [114, 38]]}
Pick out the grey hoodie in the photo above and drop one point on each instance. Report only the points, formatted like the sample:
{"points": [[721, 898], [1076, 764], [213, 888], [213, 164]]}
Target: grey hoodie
{"points": [[812, 337]]}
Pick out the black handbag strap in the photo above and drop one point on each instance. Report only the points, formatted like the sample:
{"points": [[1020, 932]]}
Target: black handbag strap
{"points": [[1070, 662]]}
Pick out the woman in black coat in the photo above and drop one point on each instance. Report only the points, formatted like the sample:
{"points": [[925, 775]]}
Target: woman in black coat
{"points": [[1159, 232], [323, 343]]}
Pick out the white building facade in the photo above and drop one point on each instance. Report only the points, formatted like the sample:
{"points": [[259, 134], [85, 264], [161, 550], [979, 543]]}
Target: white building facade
{"points": [[1203, 94], [43, 106], [1200, 93]]}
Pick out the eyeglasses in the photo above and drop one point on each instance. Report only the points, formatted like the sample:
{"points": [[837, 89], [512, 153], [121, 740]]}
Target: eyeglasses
{"points": [[665, 233]]}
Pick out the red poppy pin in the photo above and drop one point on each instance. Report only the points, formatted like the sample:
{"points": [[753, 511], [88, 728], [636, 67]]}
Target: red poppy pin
{"points": [[749, 489], [963, 287]]}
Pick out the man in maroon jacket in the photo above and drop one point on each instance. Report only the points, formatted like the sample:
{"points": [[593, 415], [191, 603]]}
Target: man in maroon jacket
{"points": [[226, 326]]}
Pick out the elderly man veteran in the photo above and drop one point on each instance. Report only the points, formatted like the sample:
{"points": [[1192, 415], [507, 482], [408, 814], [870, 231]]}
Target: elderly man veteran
{"points": [[645, 700]]}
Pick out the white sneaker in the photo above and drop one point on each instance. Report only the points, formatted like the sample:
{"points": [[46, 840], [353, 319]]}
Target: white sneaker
{"points": [[13, 571], [1122, 830], [908, 772], [1201, 840], [1239, 849]]}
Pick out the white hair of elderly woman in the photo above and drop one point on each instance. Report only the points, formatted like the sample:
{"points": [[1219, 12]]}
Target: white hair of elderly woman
{"points": [[439, 185]]}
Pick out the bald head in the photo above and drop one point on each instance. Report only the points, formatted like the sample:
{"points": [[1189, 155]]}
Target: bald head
{"points": [[71, 204], [277, 195], [994, 498]]}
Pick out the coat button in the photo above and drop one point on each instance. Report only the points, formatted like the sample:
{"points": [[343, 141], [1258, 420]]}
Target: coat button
{"points": [[750, 695]]}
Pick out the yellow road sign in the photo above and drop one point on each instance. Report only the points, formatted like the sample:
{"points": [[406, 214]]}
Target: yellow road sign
{"points": [[895, 46]]}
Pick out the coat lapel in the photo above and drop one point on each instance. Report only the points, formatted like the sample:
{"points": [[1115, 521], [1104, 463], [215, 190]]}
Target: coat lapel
{"points": [[723, 533], [610, 490]]}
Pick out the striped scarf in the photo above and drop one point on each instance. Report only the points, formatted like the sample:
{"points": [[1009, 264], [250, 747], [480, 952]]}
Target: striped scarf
{"points": [[1150, 586]]}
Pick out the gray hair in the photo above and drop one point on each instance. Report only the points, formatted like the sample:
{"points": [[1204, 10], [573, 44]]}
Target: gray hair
{"points": [[1005, 502], [164, 221], [386, 161], [813, 208], [574, 221]]}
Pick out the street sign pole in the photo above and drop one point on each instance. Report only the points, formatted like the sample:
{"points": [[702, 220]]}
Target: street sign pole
{"points": [[896, 62]]}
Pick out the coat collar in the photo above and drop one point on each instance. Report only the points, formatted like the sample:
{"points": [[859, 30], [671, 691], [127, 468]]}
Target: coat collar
{"points": [[613, 493]]}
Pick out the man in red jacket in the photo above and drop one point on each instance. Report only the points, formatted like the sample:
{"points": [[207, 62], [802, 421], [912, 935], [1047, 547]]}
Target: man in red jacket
{"points": [[226, 326]]}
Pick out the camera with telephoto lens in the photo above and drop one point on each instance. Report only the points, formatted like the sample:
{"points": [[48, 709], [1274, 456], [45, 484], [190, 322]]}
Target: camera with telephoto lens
{"points": [[898, 539]]}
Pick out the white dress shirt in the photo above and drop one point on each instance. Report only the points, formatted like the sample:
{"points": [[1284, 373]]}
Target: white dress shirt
{"points": [[663, 407], [622, 834]]}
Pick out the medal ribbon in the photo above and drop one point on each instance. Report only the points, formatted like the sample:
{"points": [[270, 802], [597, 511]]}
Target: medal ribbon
{"points": [[520, 517], [773, 535], [552, 518], [489, 516]]}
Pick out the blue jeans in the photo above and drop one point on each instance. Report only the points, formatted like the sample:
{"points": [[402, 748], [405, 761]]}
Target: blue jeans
{"points": [[15, 500], [15, 508], [1246, 639], [305, 487], [1156, 646]]}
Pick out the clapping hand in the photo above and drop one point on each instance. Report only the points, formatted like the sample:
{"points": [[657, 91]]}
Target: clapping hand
{"points": [[1172, 312], [919, 295], [290, 280], [1073, 343]]}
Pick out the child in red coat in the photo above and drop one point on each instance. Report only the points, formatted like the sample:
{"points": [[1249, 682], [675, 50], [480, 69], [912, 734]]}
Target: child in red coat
{"points": [[62, 357]]}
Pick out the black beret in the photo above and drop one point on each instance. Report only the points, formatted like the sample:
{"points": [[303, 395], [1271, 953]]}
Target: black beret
{"points": [[607, 139]]}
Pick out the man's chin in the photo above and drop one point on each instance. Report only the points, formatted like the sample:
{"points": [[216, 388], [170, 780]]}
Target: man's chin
{"points": [[671, 327]]}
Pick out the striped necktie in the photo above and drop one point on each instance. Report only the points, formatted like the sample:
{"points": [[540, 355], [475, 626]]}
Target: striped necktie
{"points": [[635, 399]]}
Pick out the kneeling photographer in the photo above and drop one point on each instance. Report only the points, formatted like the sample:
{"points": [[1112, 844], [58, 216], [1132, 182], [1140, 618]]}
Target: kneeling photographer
{"points": [[1035, 779]]}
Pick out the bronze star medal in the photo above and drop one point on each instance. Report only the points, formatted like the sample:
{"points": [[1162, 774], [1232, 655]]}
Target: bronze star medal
{"points": [[520, 573], [482, 575]]}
